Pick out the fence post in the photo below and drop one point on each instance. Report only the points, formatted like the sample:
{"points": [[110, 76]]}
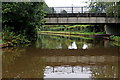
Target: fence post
{"points": [[82, 9], [72, 9], [52, 9]]}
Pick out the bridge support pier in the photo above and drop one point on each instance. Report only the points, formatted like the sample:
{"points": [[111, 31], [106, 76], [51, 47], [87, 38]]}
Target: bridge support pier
{"points": [[113, 29]]}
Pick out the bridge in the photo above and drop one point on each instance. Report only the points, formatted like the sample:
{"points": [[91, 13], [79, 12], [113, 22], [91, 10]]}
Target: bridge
{"points": [[81, 15], [77, 15], [78, 18]]}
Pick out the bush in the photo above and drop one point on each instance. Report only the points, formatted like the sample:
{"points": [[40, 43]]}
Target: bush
{"points": [[12, 39]]}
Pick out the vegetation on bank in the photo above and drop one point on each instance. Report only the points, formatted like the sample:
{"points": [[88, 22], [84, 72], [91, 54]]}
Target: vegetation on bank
{"points": [[79, 28], [115, 38], [64, 35], [73, 29], [114, 43], [71, 33], [11, 39], [20, 22]]}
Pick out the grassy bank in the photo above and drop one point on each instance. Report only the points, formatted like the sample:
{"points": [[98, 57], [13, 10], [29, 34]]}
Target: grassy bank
{"points": [[71, 33], [87, 38]]}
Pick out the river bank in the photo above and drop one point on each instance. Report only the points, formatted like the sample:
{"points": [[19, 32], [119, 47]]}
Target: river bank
{"points": [[86, 35], [73, 33], [76, 34]]}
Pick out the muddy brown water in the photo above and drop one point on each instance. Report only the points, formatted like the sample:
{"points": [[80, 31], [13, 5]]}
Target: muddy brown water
{"points": [[62, 57]]}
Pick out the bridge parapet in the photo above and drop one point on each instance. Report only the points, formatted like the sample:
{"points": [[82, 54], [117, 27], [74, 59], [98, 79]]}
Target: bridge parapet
{"points": [[82, 9]]}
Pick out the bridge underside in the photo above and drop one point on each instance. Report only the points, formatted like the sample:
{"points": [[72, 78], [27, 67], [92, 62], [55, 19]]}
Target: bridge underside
{"points": [[78, 23], [79, 18]]}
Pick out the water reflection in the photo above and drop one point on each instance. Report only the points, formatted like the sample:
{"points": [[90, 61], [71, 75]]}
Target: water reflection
{"points": [[67, 72], [59, 46], [73, 46], [81, 72], [85, 46], [50, 57], [63, 42]]}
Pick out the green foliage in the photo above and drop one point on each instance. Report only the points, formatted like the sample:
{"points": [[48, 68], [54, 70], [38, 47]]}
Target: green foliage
{"points": [[63, 11], [47, 9], [111, 8], [74, 28], [80, 28], [97, 7], [114, 43], [20, 21], [56, 28], [52, 28], [116, 38], [12, 39], [23, 17], [101, 32]]}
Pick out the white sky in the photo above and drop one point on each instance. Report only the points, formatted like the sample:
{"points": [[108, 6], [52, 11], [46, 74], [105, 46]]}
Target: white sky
{"points": [[65, 3]]}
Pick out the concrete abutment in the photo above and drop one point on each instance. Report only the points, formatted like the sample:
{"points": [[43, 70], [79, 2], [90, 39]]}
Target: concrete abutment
{"points": [[113, 29]]}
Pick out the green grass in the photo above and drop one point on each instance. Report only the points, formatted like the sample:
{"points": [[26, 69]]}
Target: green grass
{"points": [[57, 32], [86, 33], [71, 33], [78, 26]]}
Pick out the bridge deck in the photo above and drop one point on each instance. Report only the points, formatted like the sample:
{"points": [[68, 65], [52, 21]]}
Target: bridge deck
{"points": [[54, 15]]}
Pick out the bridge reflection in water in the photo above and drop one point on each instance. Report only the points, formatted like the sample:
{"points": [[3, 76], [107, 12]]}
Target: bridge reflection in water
{"points": [[81, 67], [80, 60]]}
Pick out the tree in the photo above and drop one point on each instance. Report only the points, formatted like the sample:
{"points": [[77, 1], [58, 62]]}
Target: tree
{"points": [[111, 8], [97, 7], [23, 17], [63, 11], [46, 8]]}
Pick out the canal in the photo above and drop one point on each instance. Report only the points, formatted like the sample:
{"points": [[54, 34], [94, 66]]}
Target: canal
{"points": [[60, 56]]}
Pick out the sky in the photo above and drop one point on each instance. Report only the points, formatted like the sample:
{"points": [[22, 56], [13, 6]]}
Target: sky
{"points": [[66, 3]]}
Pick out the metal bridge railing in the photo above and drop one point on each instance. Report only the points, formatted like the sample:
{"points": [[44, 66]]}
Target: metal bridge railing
{"points": [[84, 9]]}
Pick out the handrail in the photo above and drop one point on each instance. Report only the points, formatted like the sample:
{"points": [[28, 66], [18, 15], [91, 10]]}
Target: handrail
{"points": [[81, 9]]}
